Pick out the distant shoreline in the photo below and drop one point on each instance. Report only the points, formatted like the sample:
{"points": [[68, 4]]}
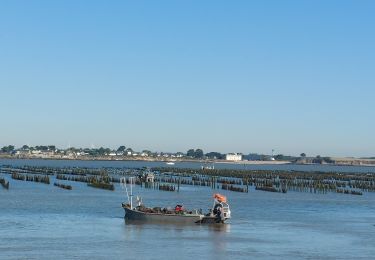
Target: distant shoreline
{"points": [[145, 160], [182, 160], [255, 162]]}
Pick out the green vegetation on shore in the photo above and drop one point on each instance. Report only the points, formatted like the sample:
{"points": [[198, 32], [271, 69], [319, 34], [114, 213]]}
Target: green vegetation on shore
{"points": [[127, 153]]}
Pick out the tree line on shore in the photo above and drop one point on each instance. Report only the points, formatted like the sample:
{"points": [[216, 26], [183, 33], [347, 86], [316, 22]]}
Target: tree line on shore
{"points": [[127, 151]]}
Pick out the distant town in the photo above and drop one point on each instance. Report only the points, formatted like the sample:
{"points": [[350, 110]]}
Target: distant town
{"points": [[127, 153]]}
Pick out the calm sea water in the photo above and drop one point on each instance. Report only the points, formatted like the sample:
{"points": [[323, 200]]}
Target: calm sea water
{"points": [[39, 221], [194, 165]]}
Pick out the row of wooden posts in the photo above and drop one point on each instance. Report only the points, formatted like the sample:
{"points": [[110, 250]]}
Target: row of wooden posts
{"points": [[4, 183], [283, 181], [35, 178], [234, 180]]}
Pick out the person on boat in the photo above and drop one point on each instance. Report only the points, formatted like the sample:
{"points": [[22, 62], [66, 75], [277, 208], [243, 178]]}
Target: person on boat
{"points": [[179, 208], [218, 213]]}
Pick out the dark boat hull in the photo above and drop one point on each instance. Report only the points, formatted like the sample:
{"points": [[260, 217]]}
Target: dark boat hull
{"points": [[212, 220], [132, 214]]}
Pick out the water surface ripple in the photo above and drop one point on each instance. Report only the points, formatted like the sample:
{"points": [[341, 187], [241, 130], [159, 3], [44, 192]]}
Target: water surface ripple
{"points": [[39, 221]]}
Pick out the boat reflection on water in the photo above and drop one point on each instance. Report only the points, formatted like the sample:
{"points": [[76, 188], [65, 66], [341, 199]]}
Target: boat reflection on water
{"points": [[139, 225], [218, 227], [210, 237]]}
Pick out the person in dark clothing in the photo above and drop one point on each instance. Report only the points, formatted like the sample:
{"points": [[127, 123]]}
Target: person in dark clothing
{"points": [[218, 214]]}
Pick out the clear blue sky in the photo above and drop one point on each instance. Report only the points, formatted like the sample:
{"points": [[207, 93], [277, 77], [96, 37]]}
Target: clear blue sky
{"points": [[227, 76]]}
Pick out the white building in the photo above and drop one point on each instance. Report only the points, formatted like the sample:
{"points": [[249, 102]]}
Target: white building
{"points": [[233, 157]]}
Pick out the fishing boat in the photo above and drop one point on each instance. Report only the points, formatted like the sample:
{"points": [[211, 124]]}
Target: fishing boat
{"points": [[208, 167], [219, 213], [169, 163]]}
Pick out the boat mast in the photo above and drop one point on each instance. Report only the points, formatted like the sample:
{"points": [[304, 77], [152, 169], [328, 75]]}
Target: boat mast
{"points": [[131, 192], [124, 185]]}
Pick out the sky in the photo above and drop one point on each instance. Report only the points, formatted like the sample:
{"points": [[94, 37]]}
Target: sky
{"points": [[226, 76]]}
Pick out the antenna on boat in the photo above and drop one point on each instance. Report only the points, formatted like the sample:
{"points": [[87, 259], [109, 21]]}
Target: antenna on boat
{"points": [[131, 191], [123, 185]]}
